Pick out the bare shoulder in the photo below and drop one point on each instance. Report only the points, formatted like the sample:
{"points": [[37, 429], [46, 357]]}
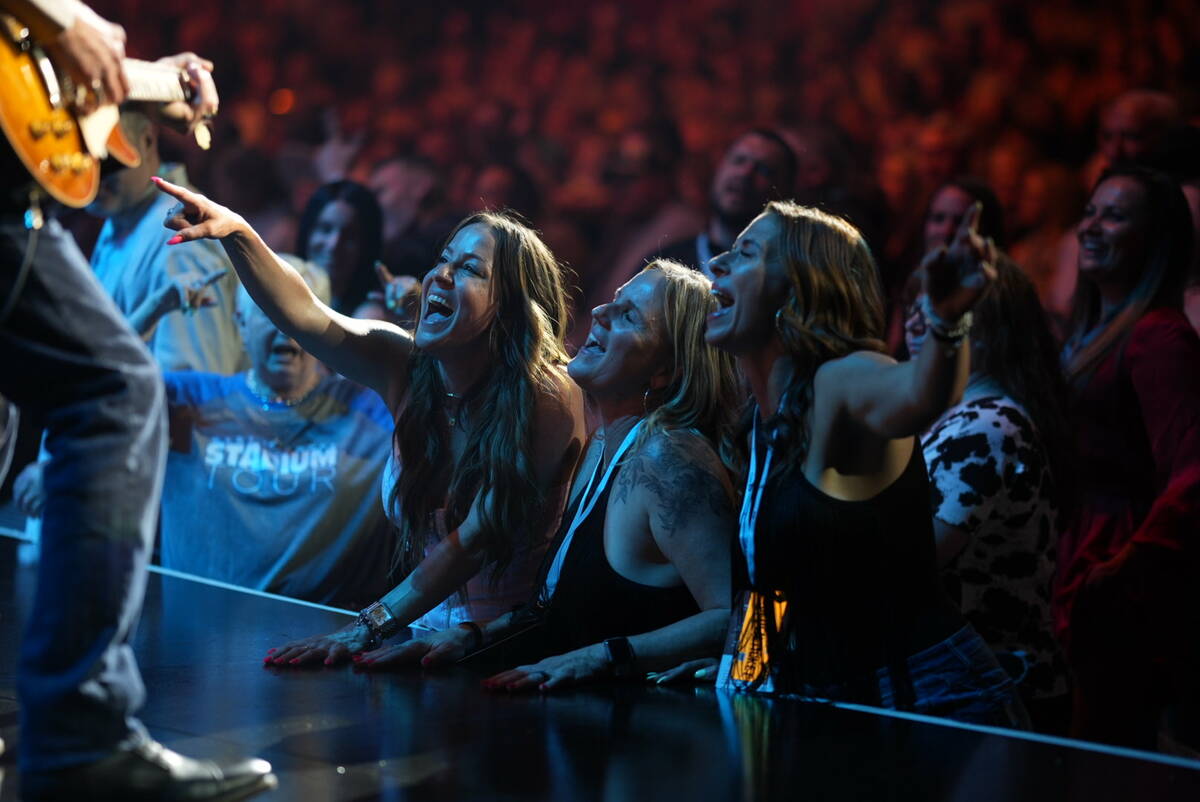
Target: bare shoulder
{"points": [[671, 449], [558, 407], [857, 362], [834, 375], [679, 479]]}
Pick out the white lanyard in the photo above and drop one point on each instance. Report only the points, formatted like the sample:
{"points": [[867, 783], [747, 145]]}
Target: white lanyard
{"points": [[753, 498], [587, 500]]}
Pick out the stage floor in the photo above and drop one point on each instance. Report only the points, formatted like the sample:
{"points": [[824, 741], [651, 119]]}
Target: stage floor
{"points": [[334, 734]]}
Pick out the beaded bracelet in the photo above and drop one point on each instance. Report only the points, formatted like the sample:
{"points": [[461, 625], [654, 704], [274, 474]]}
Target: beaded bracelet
{"points": [[951, 333]]}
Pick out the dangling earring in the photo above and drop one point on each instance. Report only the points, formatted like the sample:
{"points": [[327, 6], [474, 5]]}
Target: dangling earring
{"points": [[646, 402]]}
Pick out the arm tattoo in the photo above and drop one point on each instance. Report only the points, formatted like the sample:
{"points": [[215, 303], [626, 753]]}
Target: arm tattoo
{"points": [[682, 475]]}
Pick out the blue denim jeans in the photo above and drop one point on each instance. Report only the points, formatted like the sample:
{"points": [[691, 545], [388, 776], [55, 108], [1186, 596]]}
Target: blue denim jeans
{"points": [[66, 352], [958, 678]]}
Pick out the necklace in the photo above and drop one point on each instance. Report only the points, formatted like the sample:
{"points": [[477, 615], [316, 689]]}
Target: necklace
{"points": [[264, 394]]}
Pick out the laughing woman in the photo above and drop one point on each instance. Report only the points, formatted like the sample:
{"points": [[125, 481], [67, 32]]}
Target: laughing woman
{"points": [[842, 597], [475, 489], [639, 578]]}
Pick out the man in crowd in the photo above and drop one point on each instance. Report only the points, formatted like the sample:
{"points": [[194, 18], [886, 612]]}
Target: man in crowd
{"points": [[133, 262], [759, 166], [281, 462]]}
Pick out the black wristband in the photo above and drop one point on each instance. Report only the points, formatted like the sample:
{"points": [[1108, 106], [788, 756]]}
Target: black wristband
{"points": [[621, 657]]}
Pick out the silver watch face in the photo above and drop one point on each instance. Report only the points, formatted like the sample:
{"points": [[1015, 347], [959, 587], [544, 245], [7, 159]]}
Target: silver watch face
{"points": [[378, 614]]}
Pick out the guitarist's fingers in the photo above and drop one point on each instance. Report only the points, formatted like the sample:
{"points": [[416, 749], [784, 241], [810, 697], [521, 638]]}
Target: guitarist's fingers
{"points": [[116, 82], [206, 100], [185, 58]]}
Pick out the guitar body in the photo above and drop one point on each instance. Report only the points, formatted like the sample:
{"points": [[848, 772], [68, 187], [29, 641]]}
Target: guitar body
{"points": [[42, 128], [44, 137]]}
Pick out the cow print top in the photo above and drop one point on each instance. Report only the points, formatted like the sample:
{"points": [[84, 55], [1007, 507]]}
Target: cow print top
{"points": [[989, 477]]}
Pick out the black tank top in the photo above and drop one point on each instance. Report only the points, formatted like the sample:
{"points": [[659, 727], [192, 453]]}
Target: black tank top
{"points": [[860, 577], [593, 602]]}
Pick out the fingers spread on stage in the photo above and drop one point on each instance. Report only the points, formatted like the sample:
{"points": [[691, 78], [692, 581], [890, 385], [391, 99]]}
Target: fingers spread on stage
{"points": [[703, 670], [327, 649], [435, 649], [559, 671]]}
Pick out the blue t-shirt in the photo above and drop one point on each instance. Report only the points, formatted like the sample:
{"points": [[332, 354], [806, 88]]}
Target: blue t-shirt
{"points": [[275, 497]]}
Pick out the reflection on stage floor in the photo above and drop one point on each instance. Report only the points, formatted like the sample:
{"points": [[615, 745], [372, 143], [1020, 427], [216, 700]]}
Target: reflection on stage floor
{"points": [[335, 734]]}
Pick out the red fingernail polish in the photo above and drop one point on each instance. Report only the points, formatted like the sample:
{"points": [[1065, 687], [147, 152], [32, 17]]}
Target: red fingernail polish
{"points": [[294, 660], [175, 240]]}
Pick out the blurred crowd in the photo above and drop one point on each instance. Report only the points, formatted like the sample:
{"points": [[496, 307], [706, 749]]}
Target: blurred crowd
{"points": [[602, 123]]}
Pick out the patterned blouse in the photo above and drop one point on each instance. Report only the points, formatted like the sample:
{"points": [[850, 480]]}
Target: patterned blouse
{"points": [[989, 477]]}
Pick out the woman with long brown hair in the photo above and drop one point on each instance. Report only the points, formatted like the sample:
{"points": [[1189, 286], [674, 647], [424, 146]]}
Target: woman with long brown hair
{"points": [[1127, 608], [999, 462], [841, 598], [488, 425]]}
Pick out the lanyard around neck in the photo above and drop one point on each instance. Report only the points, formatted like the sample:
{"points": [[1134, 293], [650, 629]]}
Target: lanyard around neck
{"points": [[752, 498], [587, 500]]}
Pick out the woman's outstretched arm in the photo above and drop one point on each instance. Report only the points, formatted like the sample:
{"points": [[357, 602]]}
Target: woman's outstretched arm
{"points": [[372, 353]]}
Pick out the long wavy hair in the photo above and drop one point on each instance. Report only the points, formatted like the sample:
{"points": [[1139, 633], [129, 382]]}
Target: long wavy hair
{"points": [[1162, 280], [1011, 342], [525, 346], [834, 308], [703, 394]]}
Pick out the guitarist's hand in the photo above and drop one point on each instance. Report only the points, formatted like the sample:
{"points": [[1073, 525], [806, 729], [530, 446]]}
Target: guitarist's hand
{"points": [[196, 217], [91, 50], [204, 92]]}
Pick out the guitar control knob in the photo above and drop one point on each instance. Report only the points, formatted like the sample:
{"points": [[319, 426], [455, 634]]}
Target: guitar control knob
{"points": [[39, 128], [62, 127], [80, 162]]}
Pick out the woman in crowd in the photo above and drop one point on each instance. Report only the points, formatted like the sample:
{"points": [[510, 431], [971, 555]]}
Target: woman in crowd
{"points": [[842, 597], [997, 460], [476, 489], [639, 576], [947, 208], [1126, 601], [341, 231]]}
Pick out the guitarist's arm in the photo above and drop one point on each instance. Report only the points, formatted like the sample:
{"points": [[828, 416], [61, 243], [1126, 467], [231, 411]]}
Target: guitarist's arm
{"points": [[87, 45]]}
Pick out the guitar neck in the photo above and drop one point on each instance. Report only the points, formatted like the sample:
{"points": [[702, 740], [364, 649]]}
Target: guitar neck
{"points": [[154, 83]]}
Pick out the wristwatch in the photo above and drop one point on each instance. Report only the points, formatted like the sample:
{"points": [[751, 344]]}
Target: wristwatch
{"points": [[379, 621], [621, 657]]}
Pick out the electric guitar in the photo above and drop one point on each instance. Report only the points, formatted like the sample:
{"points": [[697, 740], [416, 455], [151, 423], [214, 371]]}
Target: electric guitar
{"points": [[59, 146]]}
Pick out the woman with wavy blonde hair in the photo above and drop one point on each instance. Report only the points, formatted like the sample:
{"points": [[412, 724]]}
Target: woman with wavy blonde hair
{"points": [[842, 599], [638, 576], [488, 425]]}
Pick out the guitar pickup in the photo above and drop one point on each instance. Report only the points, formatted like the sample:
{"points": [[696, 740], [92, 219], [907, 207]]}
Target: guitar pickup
{"points": [[75, 162]]}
